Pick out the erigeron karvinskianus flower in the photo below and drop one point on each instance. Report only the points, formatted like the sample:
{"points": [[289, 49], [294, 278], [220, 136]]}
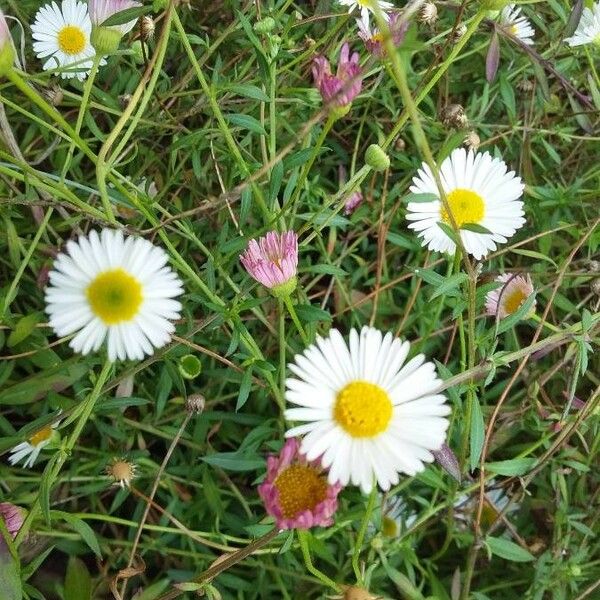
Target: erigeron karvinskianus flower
{"points": [[588, 29], [366, 7], [480, 191], [273, 261], [30, 449], [107, 286], [13, 517], [7, 50], [510, 296], [106, 38], [368, 412], [373, 38], [516, 24], [62, 36], [296, 492], [340, 89]]}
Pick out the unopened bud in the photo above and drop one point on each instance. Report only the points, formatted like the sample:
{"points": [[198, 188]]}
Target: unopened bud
{"points": [[195, 403], [376, 158], [265, 25], [105, 40]]}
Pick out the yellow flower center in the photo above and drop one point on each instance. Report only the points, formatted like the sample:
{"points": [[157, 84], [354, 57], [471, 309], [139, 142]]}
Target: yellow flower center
{"points": [[40, 436], [389, 527], [114, 296], [377, 38], [466, 206], [513, 301], [489, 514], [71, 40], [363, 409], [300, 488], [513, 29]]}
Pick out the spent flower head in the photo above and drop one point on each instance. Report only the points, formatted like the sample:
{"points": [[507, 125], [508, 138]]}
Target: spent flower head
{"points": [[121, 471], [296, 492], [273, 261], [340, 89]]}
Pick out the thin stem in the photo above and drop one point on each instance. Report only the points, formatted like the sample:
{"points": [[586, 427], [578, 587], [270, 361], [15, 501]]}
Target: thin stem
{"points": [[310, 567], [361, 535], [87, 90], [290, 306]]}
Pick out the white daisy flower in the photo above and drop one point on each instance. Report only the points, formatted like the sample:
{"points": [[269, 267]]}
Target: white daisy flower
{"points": [[368, 414], [516, 24], [110, 286], [366, 7], [480, 191], [588, 29], [33, 446], [63, 37]]}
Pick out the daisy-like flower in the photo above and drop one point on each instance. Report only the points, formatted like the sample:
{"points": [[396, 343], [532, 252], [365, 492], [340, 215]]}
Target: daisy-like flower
{"points": [[367, 6], [516, 24], [588, 29], [494, 502], [480, 191], [102, 10], [31, 448], [108, 286], [340, 89], [296, 492], [368, 412], [62, 36], [373, 38], [13, 517], [273, 261], [508, 298], [396, 517]]}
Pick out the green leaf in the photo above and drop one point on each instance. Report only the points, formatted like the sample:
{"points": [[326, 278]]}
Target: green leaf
{"points": [[477, 434], [249, 91], [509, 550], [10, 580], [82, 528], [475, 228], [78, 583], [233, 461], [245, 387], [326, 270], [515, 466], [533, 254], [124, 16], [23, 329], [449, 284], [420, 198], [246, 122], [311, 314]]}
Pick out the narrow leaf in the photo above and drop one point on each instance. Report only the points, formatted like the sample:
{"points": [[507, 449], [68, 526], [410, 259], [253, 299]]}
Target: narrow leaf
{"points": [[477, 434], [509, 550]]}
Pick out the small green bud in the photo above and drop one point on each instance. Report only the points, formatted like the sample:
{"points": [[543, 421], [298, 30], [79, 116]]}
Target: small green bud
{"points": [[575, 570], [376, 158], [338, 112], [265, 25], [105, 40], [7, 58], [285, 289], [138, 55]]}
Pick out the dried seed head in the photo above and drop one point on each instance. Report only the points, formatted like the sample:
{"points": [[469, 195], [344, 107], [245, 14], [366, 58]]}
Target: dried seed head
{"points": [[352, 592], [453, 115], [593, 266], [459, 32], [472, 140], [121, 471], [54, 94], [124, 100], [595, 286], [525, 85], [400, 144], [195, 403], [428, 13], [147, 27]]}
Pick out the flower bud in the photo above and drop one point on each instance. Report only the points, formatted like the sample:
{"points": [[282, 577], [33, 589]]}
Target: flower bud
{"points": [[105, 40], [265, 25], [7, 51], [428, 13], [376, 158]]}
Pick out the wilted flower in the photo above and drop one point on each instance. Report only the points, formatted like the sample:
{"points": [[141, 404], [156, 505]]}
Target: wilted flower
{"points": [[373, 39], [428, 13], [273, 261], [509, 297], [148, 27], [453, 115], [353, 201], [296, 492], [472, 140], [458, 32], [13, 517], [588, 29], [340, 89], [121, 471]]}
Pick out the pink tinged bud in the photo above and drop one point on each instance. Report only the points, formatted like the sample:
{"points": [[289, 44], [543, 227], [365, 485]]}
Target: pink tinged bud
{"points": [[296, 492], [7, 52], [13, 517], [101, 10], [273, 259], [340, 89], [353, 202]]}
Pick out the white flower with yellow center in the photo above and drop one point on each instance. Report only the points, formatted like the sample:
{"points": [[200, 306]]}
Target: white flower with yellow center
{"points": [[481, 193], [33, 446], [62, 36], [366, 7], [108, 286], [516, 24], [588, 29], [368, 414]]}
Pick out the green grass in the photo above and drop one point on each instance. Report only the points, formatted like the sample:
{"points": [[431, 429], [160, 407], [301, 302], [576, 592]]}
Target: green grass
{"points": [[233, 136]]}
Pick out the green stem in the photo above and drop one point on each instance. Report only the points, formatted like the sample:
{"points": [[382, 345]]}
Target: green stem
{"points": [[87, 90], [290, 306], [361, 535], [303, 539]]}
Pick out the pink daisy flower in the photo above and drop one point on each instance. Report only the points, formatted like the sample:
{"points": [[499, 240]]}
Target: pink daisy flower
{"points": [[340, 89], [273, 261], [506, 299], [373, 39], [296, 492], [13, 517], [102, 10]]}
